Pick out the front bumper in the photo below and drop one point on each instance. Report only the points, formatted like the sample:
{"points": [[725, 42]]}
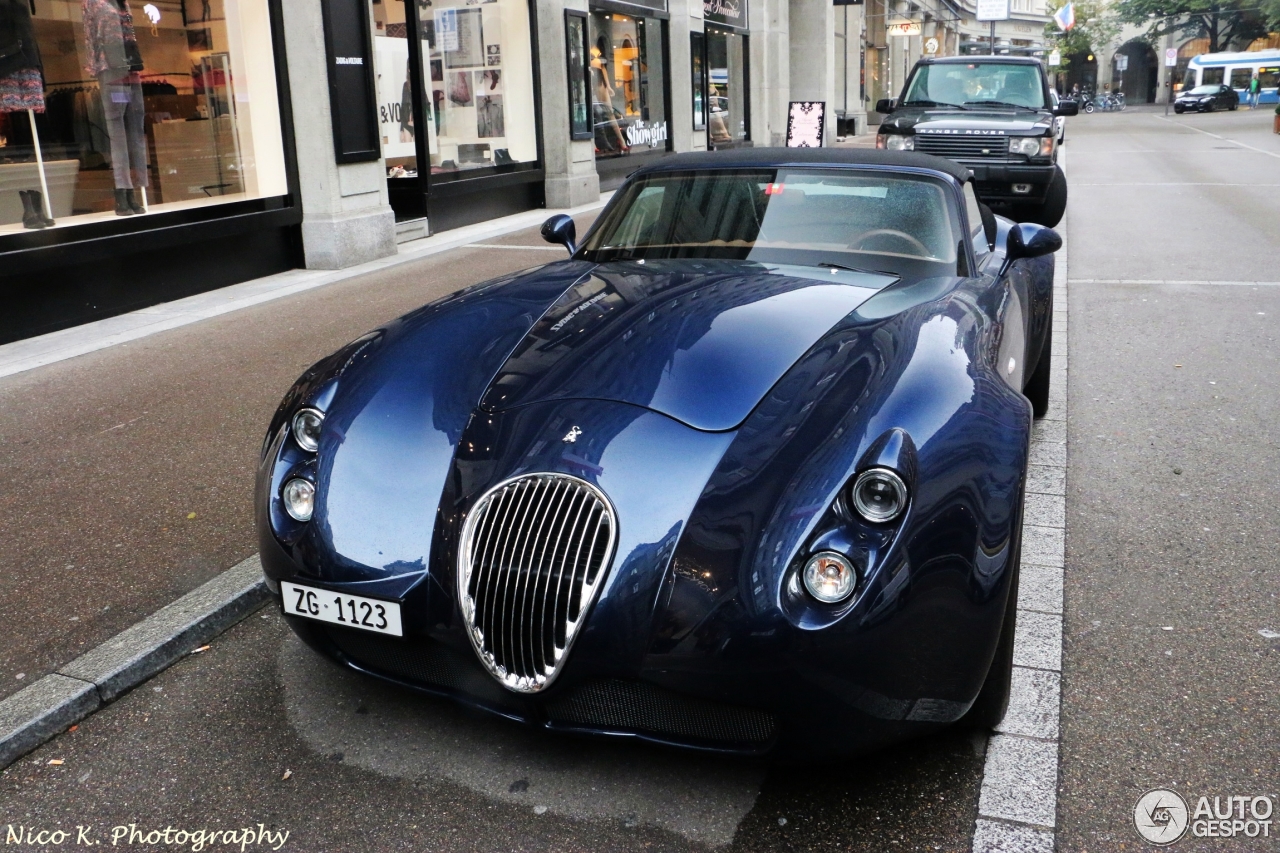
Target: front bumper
{"points": [[995, 181]]}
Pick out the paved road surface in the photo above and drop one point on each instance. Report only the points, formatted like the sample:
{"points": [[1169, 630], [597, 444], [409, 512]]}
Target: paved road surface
{"points": [[1173, 507]]}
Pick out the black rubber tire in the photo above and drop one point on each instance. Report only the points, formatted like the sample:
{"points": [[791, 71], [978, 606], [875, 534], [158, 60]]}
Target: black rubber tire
{"points": [[1037, 387], [993, 699], [1050, 212], [1233, 107], [1178, 110]]}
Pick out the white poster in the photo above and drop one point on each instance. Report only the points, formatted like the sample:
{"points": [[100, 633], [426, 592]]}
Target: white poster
{"points": [[395, 105], [993, 10], [446, 29], [805, 122]]}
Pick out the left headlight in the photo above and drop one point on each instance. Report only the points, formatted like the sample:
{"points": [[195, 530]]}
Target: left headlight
{"points": [[879, 495], [306, 429], [299, 497]]}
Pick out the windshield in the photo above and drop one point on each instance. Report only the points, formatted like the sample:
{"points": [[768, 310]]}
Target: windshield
{"points": [[855, 219], [992, 83], [1204, 90]]}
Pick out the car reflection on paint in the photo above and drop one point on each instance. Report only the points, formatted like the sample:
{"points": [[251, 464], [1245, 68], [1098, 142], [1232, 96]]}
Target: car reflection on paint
{"points": [[744, 473]]}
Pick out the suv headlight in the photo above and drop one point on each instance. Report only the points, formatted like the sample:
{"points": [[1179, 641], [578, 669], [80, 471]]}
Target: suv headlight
{"points": [[896, 142], [1028, 146]]}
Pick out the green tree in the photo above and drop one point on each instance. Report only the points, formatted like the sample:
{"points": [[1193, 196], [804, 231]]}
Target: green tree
{"points": [[1225, 23]]}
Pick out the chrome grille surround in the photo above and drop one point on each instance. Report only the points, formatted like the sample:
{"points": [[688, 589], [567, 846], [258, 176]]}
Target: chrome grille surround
{"points": [[972, 147], [534, 552]]}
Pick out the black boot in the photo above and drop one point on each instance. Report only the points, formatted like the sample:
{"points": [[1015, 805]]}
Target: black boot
{"points": [[31, 217], [133, 202], [122, 203], [37, 204]]}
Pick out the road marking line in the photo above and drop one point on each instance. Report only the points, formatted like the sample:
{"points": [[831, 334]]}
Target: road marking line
{"points": [[1018, 803], [1223, 138], [1172, 281]]}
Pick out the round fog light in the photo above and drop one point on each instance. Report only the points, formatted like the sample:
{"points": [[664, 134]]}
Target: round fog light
{"points": [[830, 577], [879, 495], [306, 429], [299, 499]]}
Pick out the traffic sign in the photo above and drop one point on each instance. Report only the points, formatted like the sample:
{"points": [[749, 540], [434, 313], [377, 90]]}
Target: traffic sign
{"points": [[1171, 57], [1055, 57], [993, 10]]}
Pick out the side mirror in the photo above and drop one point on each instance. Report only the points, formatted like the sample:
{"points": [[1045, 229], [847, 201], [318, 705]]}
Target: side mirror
{"points": [[1067, 108], [1028, 240], [884, 105], [560, 229]]}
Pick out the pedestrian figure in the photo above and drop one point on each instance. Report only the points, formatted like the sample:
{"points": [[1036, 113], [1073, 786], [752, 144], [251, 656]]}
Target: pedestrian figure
{"points": [[1255, 86]]}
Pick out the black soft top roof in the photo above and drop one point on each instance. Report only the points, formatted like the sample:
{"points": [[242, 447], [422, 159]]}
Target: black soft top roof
{"points": [[749, 158]]}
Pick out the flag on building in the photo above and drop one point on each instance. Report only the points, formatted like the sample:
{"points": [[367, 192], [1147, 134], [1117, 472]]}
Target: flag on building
{"points": [[1065, 17]]}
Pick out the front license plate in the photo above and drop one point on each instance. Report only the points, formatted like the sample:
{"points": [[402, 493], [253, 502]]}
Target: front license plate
{"points": [[339, 608]]}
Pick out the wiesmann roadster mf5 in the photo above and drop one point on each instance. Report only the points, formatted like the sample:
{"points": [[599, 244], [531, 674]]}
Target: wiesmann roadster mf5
{"points": [[744, 473]]}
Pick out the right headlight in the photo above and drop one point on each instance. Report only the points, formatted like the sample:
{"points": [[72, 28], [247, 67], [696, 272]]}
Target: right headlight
{"points": [[879, 495], [299, 498]]}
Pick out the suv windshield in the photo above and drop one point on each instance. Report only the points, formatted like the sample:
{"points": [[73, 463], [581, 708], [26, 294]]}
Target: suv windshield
{"points": [[990, 83], [854, 219]]}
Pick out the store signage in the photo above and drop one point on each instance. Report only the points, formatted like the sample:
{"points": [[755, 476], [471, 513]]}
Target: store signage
{"points": [[730, 13], [931, 45], [1055, 57], [353, 100], [847, 2], [993, 10], [806, 121], [653, 134], [902, 28]]}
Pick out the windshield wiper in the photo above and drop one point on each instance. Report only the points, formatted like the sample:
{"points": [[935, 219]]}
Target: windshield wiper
{"points": [[927, 103], [993, 103], [832, 266]]}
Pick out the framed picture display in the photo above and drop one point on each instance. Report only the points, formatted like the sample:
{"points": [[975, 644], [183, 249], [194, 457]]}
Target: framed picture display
{"points": [[577, 52]]}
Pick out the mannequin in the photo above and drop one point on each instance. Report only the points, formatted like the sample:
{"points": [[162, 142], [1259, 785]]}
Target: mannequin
{"points": [[22, 90], [113, 57]]}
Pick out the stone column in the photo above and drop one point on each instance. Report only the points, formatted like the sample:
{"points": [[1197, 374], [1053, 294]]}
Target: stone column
{"points": [[771, 70], [346, 218], [570, 166], [686, 18], [811, 24]]}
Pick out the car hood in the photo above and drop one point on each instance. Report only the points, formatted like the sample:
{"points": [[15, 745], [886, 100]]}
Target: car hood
{"points": [[977, 122], [699, 341]]}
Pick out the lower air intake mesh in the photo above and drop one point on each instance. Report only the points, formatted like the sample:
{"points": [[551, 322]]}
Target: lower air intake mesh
{"points": [[643, 707]]}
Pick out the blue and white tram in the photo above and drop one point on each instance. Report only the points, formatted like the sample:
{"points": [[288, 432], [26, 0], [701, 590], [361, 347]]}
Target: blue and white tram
{"points": [[1236, 70]]}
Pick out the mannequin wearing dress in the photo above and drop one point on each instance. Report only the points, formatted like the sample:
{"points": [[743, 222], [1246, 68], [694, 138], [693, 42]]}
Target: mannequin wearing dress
{"points": [[113, 57], [22, 89]]}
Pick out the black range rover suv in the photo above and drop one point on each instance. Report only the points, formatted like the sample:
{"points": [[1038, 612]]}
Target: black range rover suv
{"points": [[994, 115]]}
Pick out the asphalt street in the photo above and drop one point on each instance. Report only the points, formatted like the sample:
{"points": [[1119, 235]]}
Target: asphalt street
{"points": [[1171, 571], [1173, 522]]}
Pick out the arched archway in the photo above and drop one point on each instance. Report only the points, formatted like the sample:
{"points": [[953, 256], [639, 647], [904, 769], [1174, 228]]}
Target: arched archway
{"points": [[1140, 79], [1080, 69]]}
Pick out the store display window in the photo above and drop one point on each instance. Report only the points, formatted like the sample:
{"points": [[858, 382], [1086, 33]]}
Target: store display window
{"points": [[728, 123], [579, 73], [628, 85], [114, 108], [477, 65]]}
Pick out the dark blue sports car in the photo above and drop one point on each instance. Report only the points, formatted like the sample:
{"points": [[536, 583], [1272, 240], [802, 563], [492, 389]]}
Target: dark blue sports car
{"points": [[744, 473]]}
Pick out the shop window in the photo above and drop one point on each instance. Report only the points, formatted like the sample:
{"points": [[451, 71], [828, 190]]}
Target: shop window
{"points": [[397, 123], [122, 109], [479, 65], [628, 86], [727, 119], [698, 50]]}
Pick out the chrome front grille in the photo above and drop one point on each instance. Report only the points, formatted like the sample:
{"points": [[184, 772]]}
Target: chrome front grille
{"points": [[970, 147], [534, 553]]}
